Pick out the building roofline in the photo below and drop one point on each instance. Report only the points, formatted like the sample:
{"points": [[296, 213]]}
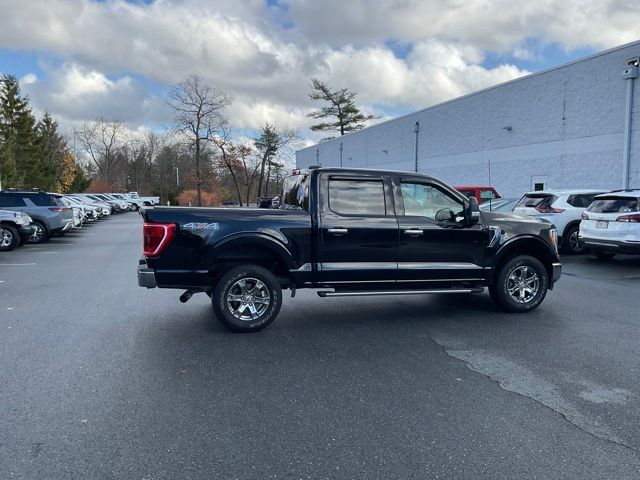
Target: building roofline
{"points": [[487, 89]]}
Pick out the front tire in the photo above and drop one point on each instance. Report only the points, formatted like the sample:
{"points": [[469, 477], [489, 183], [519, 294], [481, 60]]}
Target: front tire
{"points": [[9, 238], [570, 241], [520, 285], [247, 298], [40, 235]]}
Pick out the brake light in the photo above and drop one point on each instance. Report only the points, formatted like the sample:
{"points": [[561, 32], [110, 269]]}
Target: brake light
{"points": [[584, 216], [548, 209], [156, 236], [635, 218], [59, 209]]}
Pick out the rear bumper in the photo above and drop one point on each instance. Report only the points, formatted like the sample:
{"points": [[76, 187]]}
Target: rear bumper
{"points": [[611, 245], [146, 275]]}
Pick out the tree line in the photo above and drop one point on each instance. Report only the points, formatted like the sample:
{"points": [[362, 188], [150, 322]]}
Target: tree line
{"points": [[33, 152], [200, 160]]}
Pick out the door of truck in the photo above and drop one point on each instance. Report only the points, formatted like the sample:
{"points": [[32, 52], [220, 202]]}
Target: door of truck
{"points": [[358, 230], [435, 243]]}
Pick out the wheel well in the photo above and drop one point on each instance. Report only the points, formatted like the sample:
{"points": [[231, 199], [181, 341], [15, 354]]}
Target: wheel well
{"points": [[568, 226], [531, 247], [251, 255]]}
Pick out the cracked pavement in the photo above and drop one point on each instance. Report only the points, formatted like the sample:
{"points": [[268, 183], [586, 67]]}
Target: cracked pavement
{"points": [[101, 379]]}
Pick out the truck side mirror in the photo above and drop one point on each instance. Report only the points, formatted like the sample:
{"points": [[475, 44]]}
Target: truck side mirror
{"points": [[473, 211]]}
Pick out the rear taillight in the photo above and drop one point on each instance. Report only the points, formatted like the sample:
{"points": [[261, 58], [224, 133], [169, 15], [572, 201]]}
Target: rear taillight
{"points": [[584, 216], [635, 218], [156, 236], [548, 209], [59, 209]]}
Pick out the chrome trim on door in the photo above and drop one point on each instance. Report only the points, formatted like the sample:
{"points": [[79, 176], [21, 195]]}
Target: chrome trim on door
{"points": [[338, 231], [438, 266], [338, 266]]}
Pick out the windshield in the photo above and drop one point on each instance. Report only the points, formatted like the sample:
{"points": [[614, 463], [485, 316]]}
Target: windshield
{"points": [[295, 193]]}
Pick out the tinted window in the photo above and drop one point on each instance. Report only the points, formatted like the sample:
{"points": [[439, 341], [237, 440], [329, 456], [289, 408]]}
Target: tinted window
{"points": [[487, 195], [581, 201], [468, 193], [614, 205], [429, 201], [295, 192], [536, 200], [357, 197], [42, 200], [10, 200]]}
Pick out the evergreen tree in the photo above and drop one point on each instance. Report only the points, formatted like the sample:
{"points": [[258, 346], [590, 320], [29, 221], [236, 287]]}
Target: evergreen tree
{"points": [[17, 133], [340, 105], [54, 168]]}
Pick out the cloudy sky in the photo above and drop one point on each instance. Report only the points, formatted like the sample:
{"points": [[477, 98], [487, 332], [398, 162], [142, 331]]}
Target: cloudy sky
{"points": [[84, 59]]}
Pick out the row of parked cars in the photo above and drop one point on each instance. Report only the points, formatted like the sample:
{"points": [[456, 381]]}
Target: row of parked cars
{"points": [[604, 222], [35, 216]]}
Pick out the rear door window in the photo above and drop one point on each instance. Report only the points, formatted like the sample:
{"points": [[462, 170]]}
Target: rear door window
{"points": [[357, 197], [43, 200], [614, 204]]}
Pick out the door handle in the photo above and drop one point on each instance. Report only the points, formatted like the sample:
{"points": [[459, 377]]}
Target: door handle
{"points": [[414, 232], [338, 231]]}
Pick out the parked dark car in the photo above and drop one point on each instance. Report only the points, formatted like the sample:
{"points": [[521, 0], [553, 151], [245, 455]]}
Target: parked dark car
{"points": [[48, 210], [351, 233], [264, 202]]}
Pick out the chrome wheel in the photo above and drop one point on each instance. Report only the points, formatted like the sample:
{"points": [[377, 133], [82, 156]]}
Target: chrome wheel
{"points": [[38, 234], [248, 299], [6, 239], [523, 284]]}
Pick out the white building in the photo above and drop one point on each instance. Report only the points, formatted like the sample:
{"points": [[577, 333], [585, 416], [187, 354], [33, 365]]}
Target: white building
{"points": [[573, 126]]}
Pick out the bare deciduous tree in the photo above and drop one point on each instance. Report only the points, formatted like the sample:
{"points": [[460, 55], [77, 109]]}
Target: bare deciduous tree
{"points": [[199, 115], [103, 141]]}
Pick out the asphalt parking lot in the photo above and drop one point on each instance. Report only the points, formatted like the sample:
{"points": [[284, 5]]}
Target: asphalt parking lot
{"points": [[101, 379]]}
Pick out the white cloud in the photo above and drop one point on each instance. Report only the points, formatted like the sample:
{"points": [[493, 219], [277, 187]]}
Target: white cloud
{"points": [[104, 51], [29, 79]]}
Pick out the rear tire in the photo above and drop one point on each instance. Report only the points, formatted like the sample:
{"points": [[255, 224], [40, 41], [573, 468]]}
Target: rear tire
{"points": [[520, 285], [9, 238], [247, 298], [602, 255]]}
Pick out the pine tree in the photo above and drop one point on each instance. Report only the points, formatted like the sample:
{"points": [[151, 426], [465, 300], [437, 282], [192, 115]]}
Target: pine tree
{"points": [[340, 105], [21, 160], [52, 154]]}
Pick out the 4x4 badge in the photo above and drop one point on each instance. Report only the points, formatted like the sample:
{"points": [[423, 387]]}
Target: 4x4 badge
{"points": [[201, 226]]}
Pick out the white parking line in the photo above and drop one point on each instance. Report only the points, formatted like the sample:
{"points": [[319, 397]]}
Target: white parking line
{"points": [[46, 252], [16, 264]]}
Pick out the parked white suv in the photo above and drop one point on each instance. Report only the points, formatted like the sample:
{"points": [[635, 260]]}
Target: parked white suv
{"points": [[611, 224], [563, 208]]}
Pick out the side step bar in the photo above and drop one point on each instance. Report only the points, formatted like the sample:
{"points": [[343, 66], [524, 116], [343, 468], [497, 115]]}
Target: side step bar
{"points": [[365, 293]]}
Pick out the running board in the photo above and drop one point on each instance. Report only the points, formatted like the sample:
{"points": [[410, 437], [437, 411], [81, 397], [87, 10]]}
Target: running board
{"points": [[365, 293]]}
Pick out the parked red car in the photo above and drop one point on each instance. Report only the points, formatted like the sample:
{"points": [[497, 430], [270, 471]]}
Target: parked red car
{"points": [[482, 194]]}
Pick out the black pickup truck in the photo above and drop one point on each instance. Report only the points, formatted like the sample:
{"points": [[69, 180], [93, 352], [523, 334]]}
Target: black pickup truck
{"points": [[347, 233]]}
